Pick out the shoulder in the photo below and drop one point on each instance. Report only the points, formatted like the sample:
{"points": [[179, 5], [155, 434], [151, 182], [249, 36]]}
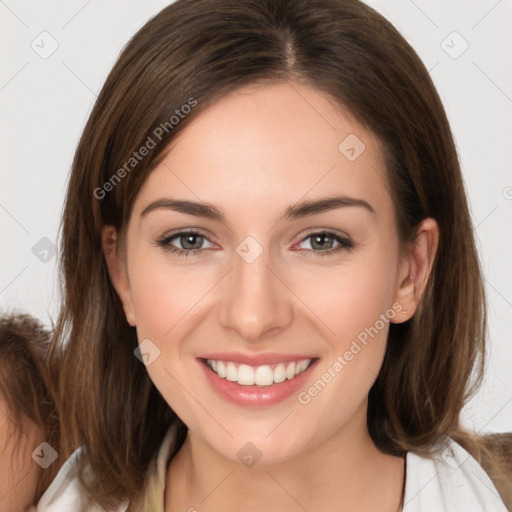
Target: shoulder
{"points": [[450, 480], [66, 493]]}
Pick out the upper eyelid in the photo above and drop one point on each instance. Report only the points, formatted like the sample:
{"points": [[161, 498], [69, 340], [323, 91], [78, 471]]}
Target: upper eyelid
{"points": [[176, 235], [194, 231]]}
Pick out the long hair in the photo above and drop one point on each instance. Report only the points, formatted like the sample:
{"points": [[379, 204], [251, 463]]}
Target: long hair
{"points": [[181, 61]]}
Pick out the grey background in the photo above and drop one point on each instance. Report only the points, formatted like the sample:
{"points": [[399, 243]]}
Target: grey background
{"points": [[45, 99]]}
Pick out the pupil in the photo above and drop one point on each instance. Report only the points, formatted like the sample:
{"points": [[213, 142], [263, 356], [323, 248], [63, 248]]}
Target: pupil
{"points": [[188, 239], [321, 237]]}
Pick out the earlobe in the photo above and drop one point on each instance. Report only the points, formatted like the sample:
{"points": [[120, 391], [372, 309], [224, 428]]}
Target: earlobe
{"points": [[117, 271], [415, 269]]}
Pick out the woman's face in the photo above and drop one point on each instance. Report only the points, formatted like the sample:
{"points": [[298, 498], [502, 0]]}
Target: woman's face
{"points": [[263, 284]]}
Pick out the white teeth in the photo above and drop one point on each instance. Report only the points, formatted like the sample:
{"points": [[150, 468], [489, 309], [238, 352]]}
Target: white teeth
{"points": [[245, 375], [231, 372], [264, 376], [260, 376], [221, 369], [279, 373]]}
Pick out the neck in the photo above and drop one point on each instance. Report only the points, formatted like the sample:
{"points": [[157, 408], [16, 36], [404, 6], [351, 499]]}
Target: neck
{"points": [[345, 472]]}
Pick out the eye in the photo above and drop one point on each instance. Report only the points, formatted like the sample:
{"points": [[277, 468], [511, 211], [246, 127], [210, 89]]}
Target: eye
{"points": [[324, 240], [191, 242]]}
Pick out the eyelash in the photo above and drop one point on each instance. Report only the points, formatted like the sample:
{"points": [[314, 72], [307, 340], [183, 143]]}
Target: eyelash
{"points": [[345, 243]]}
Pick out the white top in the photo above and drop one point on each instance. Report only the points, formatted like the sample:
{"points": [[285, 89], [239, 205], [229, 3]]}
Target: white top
{"points": [[450, 480]]}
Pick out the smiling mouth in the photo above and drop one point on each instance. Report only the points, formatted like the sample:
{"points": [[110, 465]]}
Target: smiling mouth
{"points": [[264, 375]]}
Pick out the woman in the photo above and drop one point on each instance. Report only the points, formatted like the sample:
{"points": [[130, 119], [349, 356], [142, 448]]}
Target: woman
{"points": [[312, 347]]}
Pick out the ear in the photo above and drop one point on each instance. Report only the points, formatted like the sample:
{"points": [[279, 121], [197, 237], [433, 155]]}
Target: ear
{"points": [[414, 269], [117, 270]]}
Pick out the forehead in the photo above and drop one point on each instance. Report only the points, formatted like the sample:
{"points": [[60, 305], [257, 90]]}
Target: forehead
{"points": [[268, 145]]}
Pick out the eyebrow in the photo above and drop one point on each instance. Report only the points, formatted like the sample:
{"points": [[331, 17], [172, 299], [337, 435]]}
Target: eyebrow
{"points": [[297, 211]]}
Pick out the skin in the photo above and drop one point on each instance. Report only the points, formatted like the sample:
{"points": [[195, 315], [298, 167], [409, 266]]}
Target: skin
{"points": [[252, 154], [19, 475]]}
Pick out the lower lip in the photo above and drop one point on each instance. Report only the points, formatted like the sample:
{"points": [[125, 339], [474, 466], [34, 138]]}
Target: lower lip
{"points": [[253, 395]]}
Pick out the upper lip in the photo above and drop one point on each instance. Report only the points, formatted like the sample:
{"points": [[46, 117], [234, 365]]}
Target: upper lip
{"points": [[255, 359]]}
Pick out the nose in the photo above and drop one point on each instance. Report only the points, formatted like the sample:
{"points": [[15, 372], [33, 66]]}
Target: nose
{"points": [[255, 298]]}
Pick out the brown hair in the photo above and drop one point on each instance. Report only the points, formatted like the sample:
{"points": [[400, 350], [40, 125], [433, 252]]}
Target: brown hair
{"points": [[27, 383], [203, 50]]}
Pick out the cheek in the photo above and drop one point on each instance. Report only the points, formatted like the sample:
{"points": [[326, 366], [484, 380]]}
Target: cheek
{"points": [[163, 294], [348, 298], [357, 315], [164, 297], [352, 309]]}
